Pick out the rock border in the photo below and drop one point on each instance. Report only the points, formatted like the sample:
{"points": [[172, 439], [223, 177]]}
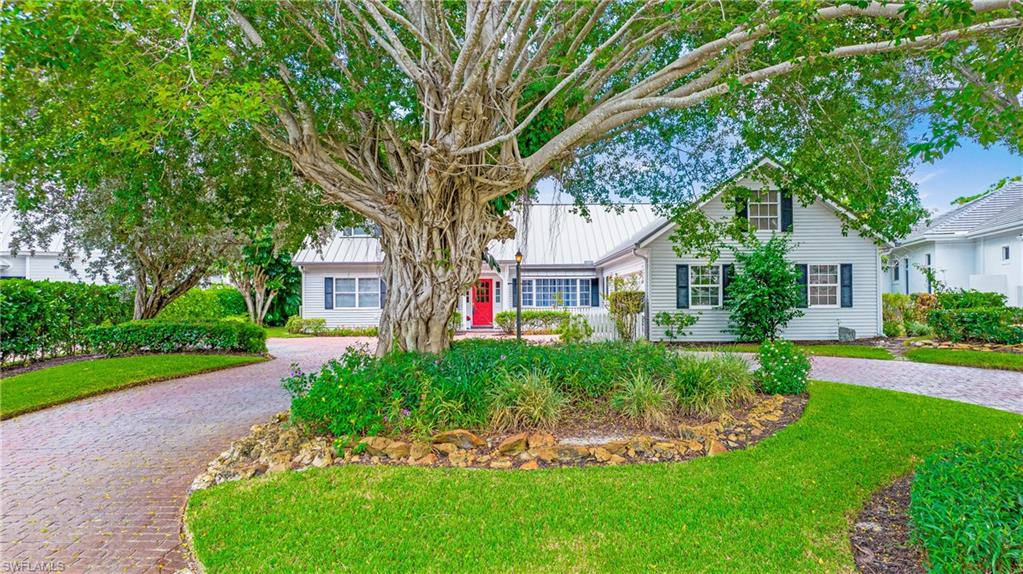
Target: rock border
{"points": [[279, 446], [983, 347], [879, 537]]}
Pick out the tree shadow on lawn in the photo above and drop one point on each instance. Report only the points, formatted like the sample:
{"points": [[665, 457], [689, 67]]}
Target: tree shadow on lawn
{"points": [[781, 506]]}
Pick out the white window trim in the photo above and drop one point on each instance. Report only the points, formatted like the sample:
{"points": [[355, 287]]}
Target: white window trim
{"points": [[358, 292], [749, 212], [837, 284], [578, 295], [692, 268]]}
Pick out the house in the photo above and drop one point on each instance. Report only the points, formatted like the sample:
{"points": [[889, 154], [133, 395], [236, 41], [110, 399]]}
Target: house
{"points": [[978, 245], [571, 260], [37, 264]]}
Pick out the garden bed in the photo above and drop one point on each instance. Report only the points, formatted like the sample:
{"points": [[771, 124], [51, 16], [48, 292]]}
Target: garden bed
{"points": [[278, 445], [880, 534]]}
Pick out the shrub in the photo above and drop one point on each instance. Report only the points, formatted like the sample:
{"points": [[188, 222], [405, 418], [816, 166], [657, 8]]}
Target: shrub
{"points": [[969, 299], [763, 296], [966, 507], [538, 321], [210, 304], [624, 306], [526, 401], [896, 308], [923, 303], [414, 392], [176, 336], [1002, 325], [575, 329], [917, 329], [676, 325], [709, 385], [641, 398], [893, 329], [298, 326], [783, 368], [40, 319]]}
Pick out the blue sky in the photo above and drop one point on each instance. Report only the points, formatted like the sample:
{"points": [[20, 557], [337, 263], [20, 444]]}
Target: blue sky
{"points": [[968, 170]]}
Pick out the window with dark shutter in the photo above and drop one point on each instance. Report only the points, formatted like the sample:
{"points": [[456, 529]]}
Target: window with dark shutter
{"points": [[328, 292], [786, 211], [681, 286], [804, 298], [846, 285], [595, 292]]}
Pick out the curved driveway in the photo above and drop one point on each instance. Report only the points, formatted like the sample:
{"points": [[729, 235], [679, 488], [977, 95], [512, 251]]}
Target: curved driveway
{"points": [[98, 485]]}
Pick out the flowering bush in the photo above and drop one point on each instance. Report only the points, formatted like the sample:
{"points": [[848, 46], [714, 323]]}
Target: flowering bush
{"points": [[783, 368]]}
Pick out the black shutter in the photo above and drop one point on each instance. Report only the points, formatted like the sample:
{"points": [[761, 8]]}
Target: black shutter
{"points": [[681, 286], [328, 292], [906, 267], [742, 209], [595, 292], [727, 270], [845, 281], [786, 211], [804, 297], [515, 292], [383, 293]]}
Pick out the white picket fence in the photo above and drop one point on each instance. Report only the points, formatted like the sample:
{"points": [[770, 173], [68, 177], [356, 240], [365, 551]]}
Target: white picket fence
{"points": [[603, 325]]}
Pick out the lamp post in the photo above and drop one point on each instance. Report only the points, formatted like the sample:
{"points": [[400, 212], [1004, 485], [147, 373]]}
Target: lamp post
{"points": [[518, 295]]}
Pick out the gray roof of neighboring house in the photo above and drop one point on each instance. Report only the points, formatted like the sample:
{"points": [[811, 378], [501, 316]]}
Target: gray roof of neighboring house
{"points": [[556, 235], [999, 209], [8, 225]]}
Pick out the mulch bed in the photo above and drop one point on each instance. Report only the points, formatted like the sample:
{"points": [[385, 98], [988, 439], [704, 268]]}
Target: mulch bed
{"points": [[880, 534]]}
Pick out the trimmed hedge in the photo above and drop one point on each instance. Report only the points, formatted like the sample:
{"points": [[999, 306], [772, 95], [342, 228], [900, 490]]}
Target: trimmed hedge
{"points": [[537, 321], [210, 304], [970, 299], [177, 336], [317, 326], [41, 319], [967, 507], [1003, 325]]}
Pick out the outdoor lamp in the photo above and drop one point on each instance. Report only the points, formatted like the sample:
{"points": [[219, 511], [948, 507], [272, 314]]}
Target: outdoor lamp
{"points": [[518, 295]]}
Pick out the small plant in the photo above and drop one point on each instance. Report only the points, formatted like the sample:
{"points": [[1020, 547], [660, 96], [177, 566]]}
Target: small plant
{"points": [[966, 507], [893, 329], [624, 307], [575, 329], [526, 401], [763, 296], [784, 369], [298, 325], [640, 397], [917, 329], [708, 386], [676, 325]]}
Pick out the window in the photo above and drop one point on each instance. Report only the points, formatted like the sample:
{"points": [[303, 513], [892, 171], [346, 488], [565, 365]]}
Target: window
{"points": [[556, 292], [704, 286], [822, 285], [368, 231], [497, 291], [1005, 253], [764, 211], [360, 292], [895, 271]]}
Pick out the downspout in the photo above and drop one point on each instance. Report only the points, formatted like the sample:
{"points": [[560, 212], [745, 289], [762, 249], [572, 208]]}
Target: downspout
{"points": [[646, 290]]}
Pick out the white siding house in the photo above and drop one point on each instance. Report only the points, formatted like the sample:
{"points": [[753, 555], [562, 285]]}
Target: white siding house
{"points": [[36, 264], [574, 259], [976, 246]]}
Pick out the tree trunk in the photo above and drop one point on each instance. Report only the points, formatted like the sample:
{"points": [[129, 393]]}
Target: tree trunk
{"points": [[430, 259]]}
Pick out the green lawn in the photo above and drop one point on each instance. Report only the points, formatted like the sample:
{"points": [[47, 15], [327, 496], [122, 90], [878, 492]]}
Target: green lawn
{"points": [[781, 506], [854, 351], [282, 333], [54, 385], [966, 358]]}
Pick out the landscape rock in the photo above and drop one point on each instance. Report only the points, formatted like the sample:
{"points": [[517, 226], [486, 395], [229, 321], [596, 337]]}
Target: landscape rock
{"points": [[428, 460], [514, 444], [397, 449], [716, 448], [541, 439], [531, 465], [460, 438], [419, 450], [376, 445]]}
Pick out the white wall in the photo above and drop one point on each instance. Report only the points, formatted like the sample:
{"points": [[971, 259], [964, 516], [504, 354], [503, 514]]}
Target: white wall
{"points": [[312, 296], [991, 270], [917, 256], [817, 238]]}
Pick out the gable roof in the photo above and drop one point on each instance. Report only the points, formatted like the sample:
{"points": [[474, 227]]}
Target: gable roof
{"points": [[556, 235], [1002, 208]]}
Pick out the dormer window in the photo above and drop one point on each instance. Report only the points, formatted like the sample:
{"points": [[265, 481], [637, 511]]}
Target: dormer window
{"points": [[764, 211], [357, 232]]}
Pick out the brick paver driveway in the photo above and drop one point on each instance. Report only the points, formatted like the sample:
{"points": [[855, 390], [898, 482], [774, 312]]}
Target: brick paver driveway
{"points": [[988, 387], [98, 485]]}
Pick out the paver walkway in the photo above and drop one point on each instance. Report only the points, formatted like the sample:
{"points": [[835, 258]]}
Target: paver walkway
{"points": [[988, 387], [98, 485]]}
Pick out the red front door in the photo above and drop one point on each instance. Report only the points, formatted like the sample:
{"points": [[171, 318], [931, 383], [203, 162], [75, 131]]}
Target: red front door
{"points": [[483, 303]]}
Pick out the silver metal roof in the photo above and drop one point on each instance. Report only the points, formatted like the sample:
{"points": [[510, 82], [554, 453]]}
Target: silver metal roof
{"points": [[555, 235], [998, 209]]}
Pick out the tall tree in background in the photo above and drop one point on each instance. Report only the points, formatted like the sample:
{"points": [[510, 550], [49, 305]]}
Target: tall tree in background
{"points": [[428, 118]]}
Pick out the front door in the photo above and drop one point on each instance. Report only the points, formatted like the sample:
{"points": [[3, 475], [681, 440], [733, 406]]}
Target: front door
{"points": [[483, 303]]}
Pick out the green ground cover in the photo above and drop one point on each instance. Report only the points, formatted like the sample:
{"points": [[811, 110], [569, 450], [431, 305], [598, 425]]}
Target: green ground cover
{"points": [[836, 350], [967, 358]]}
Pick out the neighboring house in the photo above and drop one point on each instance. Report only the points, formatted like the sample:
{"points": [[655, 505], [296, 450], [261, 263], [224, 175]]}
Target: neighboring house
{"points": [[976, 246], [36, 264], [572, 260]]}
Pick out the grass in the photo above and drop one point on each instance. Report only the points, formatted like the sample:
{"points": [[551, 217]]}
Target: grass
{"points": [[851, 351], [784, 505], [967, 358], [54, 385], [281, 333]]}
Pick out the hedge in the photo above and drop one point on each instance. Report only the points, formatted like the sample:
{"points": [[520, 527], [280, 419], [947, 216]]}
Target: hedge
{"points": [[970, 299], [41, 319], [210, 304], [533, 320], [177, 336], [967, 507], [318, 326], [1003, 325]]}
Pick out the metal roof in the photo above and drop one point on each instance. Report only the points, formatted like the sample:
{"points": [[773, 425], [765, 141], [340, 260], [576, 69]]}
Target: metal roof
{"points": [[998, 209], [555, 235]]}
